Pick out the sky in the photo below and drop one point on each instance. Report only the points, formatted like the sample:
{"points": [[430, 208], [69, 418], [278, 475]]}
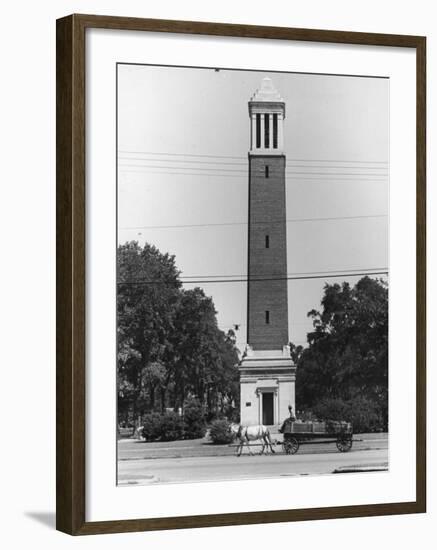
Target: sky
{"points": [[183, 141]]}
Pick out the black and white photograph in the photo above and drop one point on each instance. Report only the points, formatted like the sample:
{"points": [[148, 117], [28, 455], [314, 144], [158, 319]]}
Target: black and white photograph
{"points": [[218, 223], [252, 274]]}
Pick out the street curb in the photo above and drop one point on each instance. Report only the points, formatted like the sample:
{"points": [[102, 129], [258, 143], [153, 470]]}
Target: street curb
{"points": [[360, 469], [143, 481]]}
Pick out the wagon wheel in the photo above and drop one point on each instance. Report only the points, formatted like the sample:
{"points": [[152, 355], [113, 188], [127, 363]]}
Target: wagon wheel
{"points": [[291, 446], [344, 443]]}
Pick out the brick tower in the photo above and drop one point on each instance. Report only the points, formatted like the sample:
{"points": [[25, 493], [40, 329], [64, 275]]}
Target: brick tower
{"points": [[267, 373]]}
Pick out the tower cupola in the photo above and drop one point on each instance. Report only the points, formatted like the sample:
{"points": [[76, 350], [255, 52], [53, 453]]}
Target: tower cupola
{"points": [[267, 113]]}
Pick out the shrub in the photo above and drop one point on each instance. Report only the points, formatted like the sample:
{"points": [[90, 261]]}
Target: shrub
{"points": [[169, 426], [172, 427], [152, 426], [194, 419], [364, 415], [220, 432], [164, 427], [331, 409], [361, 411]]}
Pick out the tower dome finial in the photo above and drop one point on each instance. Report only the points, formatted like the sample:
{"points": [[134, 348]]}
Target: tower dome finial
{"points": [[267, 91]]}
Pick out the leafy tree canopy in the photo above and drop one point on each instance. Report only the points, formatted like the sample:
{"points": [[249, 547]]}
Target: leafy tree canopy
{"points": [[169, 345], [347, 355]]}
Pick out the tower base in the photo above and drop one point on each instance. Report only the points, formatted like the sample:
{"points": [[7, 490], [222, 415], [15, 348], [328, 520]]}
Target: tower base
{"points": [[267, 386]]}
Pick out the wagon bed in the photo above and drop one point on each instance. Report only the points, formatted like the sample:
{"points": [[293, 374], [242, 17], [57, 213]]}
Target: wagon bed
{"points": [[297, 433]]}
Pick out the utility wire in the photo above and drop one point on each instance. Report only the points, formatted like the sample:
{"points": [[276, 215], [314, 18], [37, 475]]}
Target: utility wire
{"points": [[234, 176], [241, 164], [343, 271], [184, 168], [291, 220], [160, 153], [253, 280], [179, 154], [233, 170]]}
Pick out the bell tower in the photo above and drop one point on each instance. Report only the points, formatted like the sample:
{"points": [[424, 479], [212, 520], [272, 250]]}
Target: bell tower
{"points": [[267, 373]]}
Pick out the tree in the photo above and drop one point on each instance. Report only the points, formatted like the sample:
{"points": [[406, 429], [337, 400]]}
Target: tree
{"points": [[147, 294], [169, 345], [194, 419], [347, 356], [204, 358]]}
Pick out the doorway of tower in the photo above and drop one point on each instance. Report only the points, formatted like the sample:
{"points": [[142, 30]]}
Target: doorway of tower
{"points": [[267, 399]]}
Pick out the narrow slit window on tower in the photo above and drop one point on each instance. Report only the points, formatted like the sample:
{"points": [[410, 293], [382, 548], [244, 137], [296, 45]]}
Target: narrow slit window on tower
{"points": [[267, 241], [266, 132], [267, 172], [258, 131], [267, 317], [275, 131]]}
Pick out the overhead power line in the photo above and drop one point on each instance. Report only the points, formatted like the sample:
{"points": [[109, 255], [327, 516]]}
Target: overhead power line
{"points": [[267, 222], [184, 168], [125, 160], [215, 165], [244, 169], [146, 172], [179, 161], [180, 154], [161, 153], [369, 177], [252, 279], [342, 271], [211, 172]]}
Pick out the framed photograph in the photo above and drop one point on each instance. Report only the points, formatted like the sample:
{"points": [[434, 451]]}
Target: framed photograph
{"points": [[240, 274]]}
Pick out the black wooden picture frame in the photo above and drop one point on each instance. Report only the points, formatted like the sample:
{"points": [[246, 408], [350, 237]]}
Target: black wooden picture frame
{"points": [[71, 253]]}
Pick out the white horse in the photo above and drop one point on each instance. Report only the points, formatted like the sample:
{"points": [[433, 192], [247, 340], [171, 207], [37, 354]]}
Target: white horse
{"points": [[245, 434]]}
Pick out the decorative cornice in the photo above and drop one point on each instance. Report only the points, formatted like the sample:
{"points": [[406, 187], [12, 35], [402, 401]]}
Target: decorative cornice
{"points": [[267, 107]]}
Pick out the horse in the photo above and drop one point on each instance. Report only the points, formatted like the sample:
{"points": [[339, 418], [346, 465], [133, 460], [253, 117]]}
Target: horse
{"points": [[245, 434]]}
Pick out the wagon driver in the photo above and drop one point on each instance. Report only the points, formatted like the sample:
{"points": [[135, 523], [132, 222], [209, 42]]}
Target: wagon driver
{"points": [[291, 418]]}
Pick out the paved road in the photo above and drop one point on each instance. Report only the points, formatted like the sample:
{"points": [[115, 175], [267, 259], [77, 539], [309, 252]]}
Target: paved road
{"points": [[311, 460]]}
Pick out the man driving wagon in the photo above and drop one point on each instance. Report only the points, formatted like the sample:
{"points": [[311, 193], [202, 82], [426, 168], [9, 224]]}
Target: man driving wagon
{"points": [[286, 425]]}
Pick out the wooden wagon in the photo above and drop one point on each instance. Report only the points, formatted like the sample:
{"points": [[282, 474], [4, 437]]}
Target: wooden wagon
{"points": [[297, 433]]}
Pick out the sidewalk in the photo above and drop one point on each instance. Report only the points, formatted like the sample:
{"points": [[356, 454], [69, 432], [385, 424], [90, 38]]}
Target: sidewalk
{"points": [[133, 449]]}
